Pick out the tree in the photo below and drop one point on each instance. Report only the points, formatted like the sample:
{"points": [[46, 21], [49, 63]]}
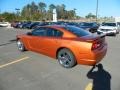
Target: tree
{"points": [[50, 12], [90, 15], [42, 6], [29, 12], [34, 11], [70, 14], [26, 12], [9, 16], [34, 8], [61, 12], [38, 11], [51, 7]]}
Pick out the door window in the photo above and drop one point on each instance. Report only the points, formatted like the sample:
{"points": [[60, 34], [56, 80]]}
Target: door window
{"points": [[39, 32], [49, 32], [54, 33]]}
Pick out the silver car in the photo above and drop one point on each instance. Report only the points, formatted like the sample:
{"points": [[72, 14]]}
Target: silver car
{"points": [[109, 28]]}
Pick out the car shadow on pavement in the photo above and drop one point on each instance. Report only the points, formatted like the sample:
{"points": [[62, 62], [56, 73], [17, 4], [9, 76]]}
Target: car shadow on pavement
{"points": [[10, 42], [101, 78]]}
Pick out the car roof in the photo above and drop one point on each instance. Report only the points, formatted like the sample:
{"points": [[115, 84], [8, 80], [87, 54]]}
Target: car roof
{"points": [[53, 26]]}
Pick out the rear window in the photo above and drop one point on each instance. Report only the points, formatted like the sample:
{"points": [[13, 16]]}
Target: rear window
{"points": [[77, 31]]}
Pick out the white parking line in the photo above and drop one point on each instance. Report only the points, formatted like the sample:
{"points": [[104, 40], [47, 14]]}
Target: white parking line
{"points": [[13, 62]]}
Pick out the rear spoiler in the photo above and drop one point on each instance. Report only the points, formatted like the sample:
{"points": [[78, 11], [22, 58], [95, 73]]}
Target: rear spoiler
{"points": [[87, 38], [93, 38]]}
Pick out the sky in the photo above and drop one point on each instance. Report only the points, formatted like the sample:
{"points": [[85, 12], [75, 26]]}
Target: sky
{"points": [[83, 7]]}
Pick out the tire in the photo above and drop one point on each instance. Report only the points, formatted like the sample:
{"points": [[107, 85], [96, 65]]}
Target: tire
{"points": [[66, 58], [20, 46], [91, 30], [114, 34]]}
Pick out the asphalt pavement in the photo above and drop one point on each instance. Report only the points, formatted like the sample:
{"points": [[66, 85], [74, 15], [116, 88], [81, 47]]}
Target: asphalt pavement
{"points": [[33, 71]]}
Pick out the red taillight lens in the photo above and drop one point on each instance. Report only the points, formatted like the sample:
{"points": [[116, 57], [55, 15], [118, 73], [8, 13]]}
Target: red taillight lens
{"points": [[95, 45]]}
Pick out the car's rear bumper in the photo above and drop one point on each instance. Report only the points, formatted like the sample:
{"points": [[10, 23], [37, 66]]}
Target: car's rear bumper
{"points": [[92, 58]]}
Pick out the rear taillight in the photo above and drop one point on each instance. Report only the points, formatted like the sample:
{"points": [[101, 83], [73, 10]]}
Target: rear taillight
{"points": [[96, 45]]}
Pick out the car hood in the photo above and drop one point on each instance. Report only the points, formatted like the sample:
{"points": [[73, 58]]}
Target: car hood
{"points": [[107, 27]]}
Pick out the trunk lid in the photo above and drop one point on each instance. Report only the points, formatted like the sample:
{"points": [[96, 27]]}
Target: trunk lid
{"points": [[92, 37], [97, 41]]}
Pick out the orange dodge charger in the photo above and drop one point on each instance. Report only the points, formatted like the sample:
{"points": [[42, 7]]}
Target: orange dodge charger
{"points": [[70, 45]]}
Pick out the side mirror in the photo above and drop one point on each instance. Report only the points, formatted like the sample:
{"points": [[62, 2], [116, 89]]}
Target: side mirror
{"points": [[29, 33]]}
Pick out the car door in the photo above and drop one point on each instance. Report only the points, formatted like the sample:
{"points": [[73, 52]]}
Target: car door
{"points": [[51, 41], [35, 39]]}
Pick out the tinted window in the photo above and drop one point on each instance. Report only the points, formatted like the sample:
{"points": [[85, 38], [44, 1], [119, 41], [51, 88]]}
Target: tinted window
{"points": [[43, 31], [87, 24], [108, 24], [77, 31], [54, 33], [39, 32]]}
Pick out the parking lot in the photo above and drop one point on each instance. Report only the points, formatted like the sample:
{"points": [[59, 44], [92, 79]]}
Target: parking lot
{"points": [[33, 71]]}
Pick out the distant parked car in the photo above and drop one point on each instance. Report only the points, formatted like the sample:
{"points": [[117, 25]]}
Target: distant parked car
{"points": [[89, 26], [42, 24], [14, 24], [108, 28], [4, 24], [32, 25], [59, 23], [72, 23], [70, 45], [24, 25]]}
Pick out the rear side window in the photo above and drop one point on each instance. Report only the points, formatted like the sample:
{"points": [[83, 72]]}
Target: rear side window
{"points": [[54, 33], [77, 31]]}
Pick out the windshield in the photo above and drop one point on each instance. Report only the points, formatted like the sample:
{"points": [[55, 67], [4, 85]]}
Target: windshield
{"points": [[108, 24], [86, 24], [77, 31]]}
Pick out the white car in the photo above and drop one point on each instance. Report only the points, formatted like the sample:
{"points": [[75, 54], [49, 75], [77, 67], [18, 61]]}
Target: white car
{"points": [[4, 24], [109, 29]]}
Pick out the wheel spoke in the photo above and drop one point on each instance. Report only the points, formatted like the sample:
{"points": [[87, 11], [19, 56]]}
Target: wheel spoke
{"points": [[62, 61], [68, 57], [65, 59], [20, 45]]}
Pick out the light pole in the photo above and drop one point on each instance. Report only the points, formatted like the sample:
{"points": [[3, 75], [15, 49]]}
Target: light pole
{"points": [[74, 13], [17, 12], [97, 11]]}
